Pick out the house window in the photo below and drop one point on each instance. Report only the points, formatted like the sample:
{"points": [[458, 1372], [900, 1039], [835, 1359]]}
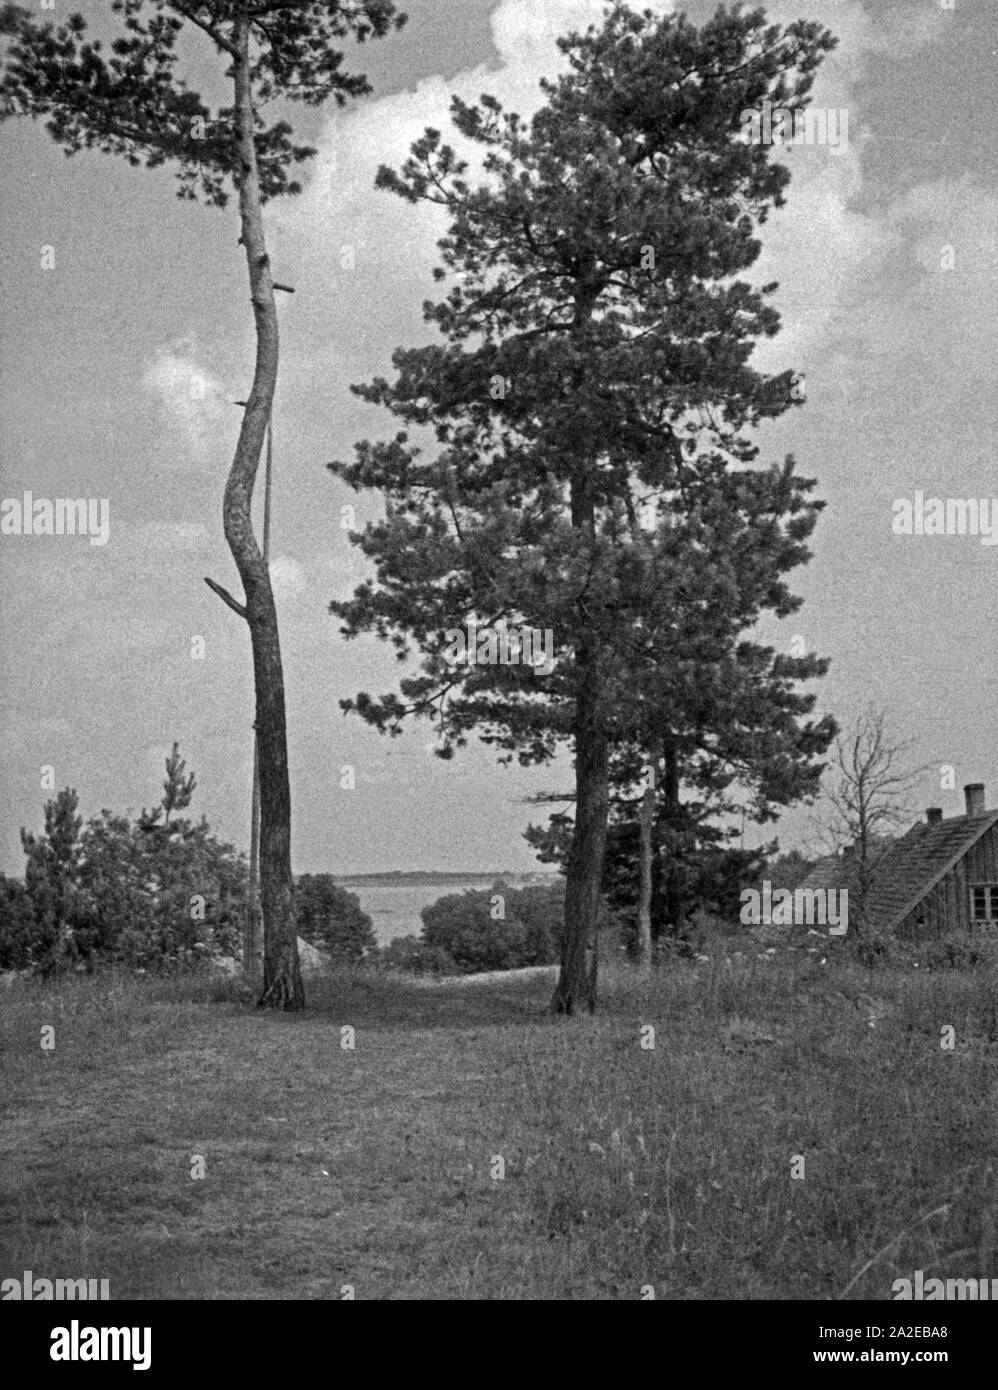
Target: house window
{"points": [[984, 902]]}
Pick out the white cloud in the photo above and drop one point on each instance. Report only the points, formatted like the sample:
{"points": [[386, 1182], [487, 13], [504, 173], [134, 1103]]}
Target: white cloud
{"points": [[943, 246], [951, 228], [367, 256], [188, 394], [819, 246]]}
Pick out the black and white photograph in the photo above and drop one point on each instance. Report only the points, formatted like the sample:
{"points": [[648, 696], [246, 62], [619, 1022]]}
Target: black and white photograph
{"points": [[498, 654]]}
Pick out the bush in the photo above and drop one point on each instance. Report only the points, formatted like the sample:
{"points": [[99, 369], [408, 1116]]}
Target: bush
{"points": [[542, 910], [331, 918], [155, 896], [17, 925], [956, 951], [413, 956], [141, 893], [959, 952], [500, 928], [877, 950]]}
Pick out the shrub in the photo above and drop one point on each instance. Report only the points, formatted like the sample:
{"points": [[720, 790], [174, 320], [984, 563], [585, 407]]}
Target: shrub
{"points": [[331, 918], [143, 893], [17, 925], [959, 952], [877, 950], [154, 896], [500, 928], [415, 957], [542, 910]]}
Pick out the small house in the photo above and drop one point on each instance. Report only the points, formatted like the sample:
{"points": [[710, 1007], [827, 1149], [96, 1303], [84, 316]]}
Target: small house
{"points": [[941, 877]]}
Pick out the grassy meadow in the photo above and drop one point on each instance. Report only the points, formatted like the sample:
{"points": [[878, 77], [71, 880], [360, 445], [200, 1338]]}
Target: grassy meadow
{"points": [[622, 1165]]}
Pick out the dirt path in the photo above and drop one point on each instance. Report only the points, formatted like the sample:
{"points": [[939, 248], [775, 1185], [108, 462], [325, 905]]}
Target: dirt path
{"points": [[492, 977]]}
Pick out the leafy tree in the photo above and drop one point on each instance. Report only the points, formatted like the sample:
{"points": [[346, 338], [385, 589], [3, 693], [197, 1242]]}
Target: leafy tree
{"points": [[706, 725], [51, 876], [177, 793], [501, 928], [115, 889], [132, 101], [595, 365], [330, 917], [693, 869], [156, 901], [17, 925], [788, 869], [177, 789], [720, 728], [412, 956], [200, 893], [463, 925], [541, 908]]}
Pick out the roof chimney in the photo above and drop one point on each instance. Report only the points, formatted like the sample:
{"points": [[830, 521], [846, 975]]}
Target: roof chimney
{"points": [[934, 815], [974, 794]]}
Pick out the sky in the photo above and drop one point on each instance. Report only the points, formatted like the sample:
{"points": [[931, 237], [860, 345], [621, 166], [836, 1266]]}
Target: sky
{"points": [[125, 344]]}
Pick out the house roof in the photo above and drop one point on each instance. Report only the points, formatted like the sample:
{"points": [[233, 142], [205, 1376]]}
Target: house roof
{"points": [[835, 871], [908, 870]]}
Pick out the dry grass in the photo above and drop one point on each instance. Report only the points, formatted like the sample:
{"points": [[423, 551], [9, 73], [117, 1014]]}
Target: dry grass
{"points": [[623, 1166]]}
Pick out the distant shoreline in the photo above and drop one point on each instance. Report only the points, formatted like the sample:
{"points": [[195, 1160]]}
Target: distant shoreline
{"points": [[412, 879]]}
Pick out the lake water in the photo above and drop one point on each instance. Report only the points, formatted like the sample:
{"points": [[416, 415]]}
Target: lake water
{"points": [[394, 908]]}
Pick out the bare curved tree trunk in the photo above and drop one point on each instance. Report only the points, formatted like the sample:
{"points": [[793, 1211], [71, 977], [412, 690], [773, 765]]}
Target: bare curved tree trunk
{"points": [[282, 984]]}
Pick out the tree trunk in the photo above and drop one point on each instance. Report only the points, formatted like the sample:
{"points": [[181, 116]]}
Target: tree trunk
{"points": [[282, 985], [647, 851], [584, 871], [671, 895], [251, 935], [864, 874]]}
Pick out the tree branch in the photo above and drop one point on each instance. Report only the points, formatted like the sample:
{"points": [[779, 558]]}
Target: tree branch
{"points": [[214, 34], [226, 597]]}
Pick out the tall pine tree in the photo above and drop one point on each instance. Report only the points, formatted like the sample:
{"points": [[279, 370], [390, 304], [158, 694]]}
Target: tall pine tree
{"points": [[708, 725], [129, 99], [596, 352]]}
